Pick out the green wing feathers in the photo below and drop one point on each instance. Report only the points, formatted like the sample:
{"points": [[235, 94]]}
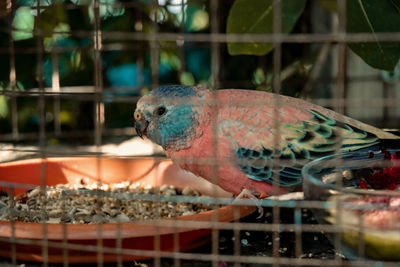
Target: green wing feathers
{"points": [[322, 135], [313, 137]]}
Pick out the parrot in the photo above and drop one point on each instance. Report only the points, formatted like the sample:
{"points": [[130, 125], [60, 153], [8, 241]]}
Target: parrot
{"points": [[248, 142]]}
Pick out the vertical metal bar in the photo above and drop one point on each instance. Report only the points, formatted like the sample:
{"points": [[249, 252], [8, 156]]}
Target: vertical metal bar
{"points": [[181, 43], [340, 92], [339, 107], [98, 77], [140, 67], [64, 234], [181, 53], [139, 47], [298, 232], [385, 94], [177, 261], [215, 53], [141, 53], [277, 27], [14, 115], [100, 256], [55, 85], [99, 115], [262, 64], [12, 223], [157, 207], [214, 121], [360, 236], [119, 245], [316, 70], [154, 47], [42, 131], [155, 66], [13, 80], [237, 241]]}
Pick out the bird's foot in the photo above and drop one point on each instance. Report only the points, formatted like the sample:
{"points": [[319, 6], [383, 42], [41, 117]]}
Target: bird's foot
{"points": [[246, 193]]}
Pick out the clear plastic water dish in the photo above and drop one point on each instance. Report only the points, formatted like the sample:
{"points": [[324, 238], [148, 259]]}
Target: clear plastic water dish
{"points": [[358, 195]]}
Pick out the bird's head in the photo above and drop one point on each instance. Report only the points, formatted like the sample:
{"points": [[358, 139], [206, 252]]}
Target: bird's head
{"points": [[169, 115]]}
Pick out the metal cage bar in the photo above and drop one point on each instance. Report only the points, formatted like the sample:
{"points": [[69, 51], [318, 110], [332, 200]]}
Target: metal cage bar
{"points": [[99, 95]]}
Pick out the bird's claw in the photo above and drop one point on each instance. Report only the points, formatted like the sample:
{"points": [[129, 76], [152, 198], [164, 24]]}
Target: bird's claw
{"points": [[246, 193]]}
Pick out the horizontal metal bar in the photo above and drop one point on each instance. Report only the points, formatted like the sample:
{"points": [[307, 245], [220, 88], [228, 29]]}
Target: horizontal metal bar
{"points": [[202, 256], [306, 38], [69, 134]]}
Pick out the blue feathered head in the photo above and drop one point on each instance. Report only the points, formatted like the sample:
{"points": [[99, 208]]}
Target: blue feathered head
{"points": [[168, 116]]}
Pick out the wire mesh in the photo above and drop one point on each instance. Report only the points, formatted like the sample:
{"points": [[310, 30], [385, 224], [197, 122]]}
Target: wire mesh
{"points": [[73, 119]]}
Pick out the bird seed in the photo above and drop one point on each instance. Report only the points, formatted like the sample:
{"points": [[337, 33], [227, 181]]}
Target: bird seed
{"points": [[94, 203]]}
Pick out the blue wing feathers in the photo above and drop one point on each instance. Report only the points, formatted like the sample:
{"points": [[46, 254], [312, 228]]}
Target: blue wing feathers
{"points": [[252, 159]]}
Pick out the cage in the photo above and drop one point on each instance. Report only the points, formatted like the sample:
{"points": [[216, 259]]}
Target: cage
{"points": [[72, 72]]}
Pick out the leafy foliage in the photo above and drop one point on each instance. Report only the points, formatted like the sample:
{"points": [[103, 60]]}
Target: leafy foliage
{"points": [[363, 16], [3, 106], [66, 28], [329, 5], [256, 17], [370, 16], [23, 23]]}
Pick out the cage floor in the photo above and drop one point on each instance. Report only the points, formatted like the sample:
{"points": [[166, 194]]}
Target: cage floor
{"points": [[252, 243]]}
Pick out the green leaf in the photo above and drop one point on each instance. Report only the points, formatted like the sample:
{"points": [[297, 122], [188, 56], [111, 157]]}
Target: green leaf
{"points": [[256, 17], [49, 19], [187, 78], [196, 19], [3, 106], [23, 24], [328, 5], [396, 4], [372, 16]]}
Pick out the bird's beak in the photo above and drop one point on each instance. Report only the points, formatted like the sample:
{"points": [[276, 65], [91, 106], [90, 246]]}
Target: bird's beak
{"points": [[140, 124], [141, 127]]}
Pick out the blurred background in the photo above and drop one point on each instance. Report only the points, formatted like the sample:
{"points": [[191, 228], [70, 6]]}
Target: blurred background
{"points": [[72, 70]]}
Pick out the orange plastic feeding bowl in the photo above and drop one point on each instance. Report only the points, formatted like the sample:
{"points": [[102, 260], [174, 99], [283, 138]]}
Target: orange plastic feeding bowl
{"points": [[79, 243]]}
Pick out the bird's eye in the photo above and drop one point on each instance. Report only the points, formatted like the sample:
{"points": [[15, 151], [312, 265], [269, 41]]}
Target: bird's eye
{"points": [[160, 111], [138, 115]]}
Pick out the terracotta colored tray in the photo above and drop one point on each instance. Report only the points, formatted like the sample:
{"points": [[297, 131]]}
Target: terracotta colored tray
{"points": [[137, 238]]}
